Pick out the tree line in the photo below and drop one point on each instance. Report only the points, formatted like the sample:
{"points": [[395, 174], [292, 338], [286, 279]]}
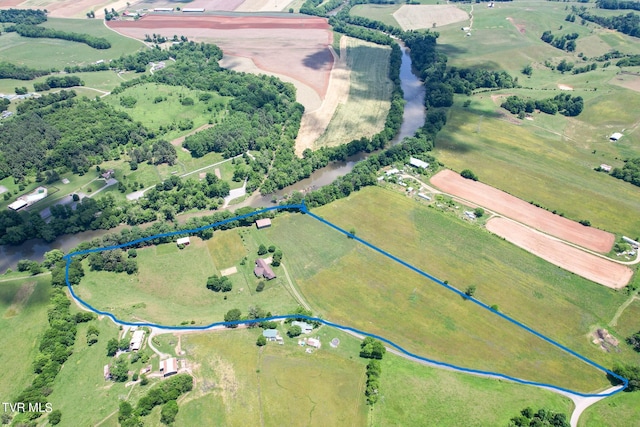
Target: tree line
{"points": [[564, 104], [630, 172], [618, 4], [564, 42], [626, 24], [56, 82], [23, 16], [34, 31], [55, 347], [20, 72]]}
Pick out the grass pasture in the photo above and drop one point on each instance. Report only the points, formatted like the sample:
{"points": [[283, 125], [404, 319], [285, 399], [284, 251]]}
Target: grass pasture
{"points": [[619, 410], [412, 394], [23, 318], [377, 12], [247, 385], [170, 287], [423, 317], [56, 53], [366, 108]]}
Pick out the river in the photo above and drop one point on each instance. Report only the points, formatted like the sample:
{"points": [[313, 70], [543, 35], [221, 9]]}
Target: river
{"points": [[412, 120]]}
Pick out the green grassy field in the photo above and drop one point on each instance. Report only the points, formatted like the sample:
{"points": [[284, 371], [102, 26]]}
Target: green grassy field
{"points": [[412, 394], [56, 53], [23, 317], [377, 12], [170, 286], [332, 274], [240, 384], [366, 109], [619, 410]]}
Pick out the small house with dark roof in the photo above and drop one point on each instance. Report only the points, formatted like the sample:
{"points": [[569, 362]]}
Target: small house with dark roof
{"points": [[263, 269]]}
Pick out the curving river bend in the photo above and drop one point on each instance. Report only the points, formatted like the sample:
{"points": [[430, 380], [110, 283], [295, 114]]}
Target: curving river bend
{"points": [[412, 120]]}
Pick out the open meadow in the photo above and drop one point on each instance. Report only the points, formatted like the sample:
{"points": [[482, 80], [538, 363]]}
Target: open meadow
{"points": [[23, 318], [170, 286], [331, 275], [365, 109]]}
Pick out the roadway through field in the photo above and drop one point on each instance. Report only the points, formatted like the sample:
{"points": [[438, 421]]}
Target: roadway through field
{"points": [[391, 345]]}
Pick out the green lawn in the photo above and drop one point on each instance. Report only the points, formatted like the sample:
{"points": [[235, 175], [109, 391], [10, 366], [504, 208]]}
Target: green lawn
{"points": [[366, 109], [23, 318], [417, 314], [56, 53], [377, 12], [619, 410], [411, 394], [170, 287], [241, 384]]}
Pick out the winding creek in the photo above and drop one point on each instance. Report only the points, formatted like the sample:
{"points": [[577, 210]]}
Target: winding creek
{"points": [[413, 118]]}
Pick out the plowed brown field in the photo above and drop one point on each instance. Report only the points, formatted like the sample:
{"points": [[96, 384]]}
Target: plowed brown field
{"points": [[512, 207]]}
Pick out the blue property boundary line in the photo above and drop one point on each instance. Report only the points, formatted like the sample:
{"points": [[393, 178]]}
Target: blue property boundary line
{"points": [[303, 209]]}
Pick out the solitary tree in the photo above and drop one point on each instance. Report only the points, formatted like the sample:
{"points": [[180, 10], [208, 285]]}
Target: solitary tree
{"points": [[262, 249], [294, 331], [468, 174], [261, 341], [232, 315], [470, 291]]}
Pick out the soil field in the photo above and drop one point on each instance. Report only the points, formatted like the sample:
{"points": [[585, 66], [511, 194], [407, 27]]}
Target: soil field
{"points": [[512, 207], [66, 8], [295, 47], [592, 267], [415, 17]]}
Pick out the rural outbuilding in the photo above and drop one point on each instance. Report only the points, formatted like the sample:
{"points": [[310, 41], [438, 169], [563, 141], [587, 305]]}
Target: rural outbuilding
{"points": [[107, 372], [263, 269], [136, 340], [263, 223], [615, 136], [183, 241], [306, 328], [169, 367], [418, 163], [270, 334], [313, 342]]}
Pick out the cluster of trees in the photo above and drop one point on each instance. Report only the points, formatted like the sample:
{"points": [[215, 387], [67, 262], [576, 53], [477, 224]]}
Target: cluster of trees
{"points": [[165, 393], [630, 172], [626, 24], [466, 80], [565, 42], [630, 372], [156, 38], [564, 104], [371, 348], [113, 345], [55, 82], [585, 69], [618, 4], [54, 349], [372, 387], [20, 72], [102, 66], [23, 16], [4, 104], [44, 100], [109, 15], [34, 31], [634, 341], [112, 260], [219, 284], [629, 61], [543, 417], [71, 133]]}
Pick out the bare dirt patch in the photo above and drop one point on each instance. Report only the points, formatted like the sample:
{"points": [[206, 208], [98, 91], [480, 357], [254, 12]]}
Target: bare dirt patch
{"points": [[512, 207], [263, 5], [228, 271], [291, 46], [564, 87], [416, 17], [589, 266], [7, 4], [305, 94], [519, 26], [628, 81]]}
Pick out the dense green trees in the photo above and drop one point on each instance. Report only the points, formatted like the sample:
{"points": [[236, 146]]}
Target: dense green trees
{"points": [[565, 104], [543, 417], [627, 24], [564, 42], [23, 16], [20, 72], [634, 341], [630, 372], [219, 284], [371, 348], [112, 260], [55, 82], [630, 172], [618, 4], [232, 315], [372, 387]]}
